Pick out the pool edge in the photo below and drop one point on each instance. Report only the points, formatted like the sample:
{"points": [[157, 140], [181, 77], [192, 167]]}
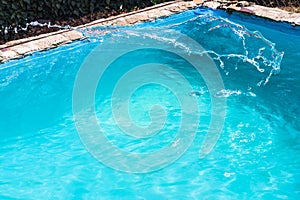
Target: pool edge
{"points": [[19, 48]]}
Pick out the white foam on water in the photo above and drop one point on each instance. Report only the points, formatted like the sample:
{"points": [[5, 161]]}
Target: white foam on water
{"points": [[262, 54]]}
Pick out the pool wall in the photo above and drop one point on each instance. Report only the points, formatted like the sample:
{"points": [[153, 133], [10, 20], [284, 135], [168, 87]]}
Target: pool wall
{"points": [[20, 48]]}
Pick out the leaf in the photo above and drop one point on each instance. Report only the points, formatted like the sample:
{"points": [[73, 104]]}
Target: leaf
{"points": [[14, 6]]}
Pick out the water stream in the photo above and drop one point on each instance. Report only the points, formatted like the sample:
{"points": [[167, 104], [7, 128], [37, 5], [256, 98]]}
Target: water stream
{"points": [[256, 156]]}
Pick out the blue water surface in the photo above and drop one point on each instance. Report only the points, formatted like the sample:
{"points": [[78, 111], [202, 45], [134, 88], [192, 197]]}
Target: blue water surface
{"points": [[256, 157]]}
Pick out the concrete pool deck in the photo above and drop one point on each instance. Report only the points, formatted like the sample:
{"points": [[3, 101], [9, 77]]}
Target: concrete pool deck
{"points": [[22, 47]]}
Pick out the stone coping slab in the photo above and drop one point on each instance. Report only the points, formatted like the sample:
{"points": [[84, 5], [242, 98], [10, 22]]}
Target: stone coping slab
{"points": [[19, 48]]}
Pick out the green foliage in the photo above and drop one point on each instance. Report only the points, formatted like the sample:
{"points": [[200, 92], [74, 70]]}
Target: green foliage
{"points": [[14, 12], [18, 12]]}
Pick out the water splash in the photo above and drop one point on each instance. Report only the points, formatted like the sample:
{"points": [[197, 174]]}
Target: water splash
{"points": [[249, 46], [40, 23], [236, 45], [227, 93], [257, 58]]}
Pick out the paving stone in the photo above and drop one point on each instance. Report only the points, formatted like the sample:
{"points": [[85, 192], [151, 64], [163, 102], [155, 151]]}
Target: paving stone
{"points": [[247, 10], [109, 23], [24, 48], [8, 54], [212, 4], [242, 4], [276, 14], [182, 7], [120, 22], [142, 17], [157, 13], [165, 12], [131, 20], [174, 8], [198, 1], [151, 16], [3, 46], [72, 35], [190, 4], [52, 40]]}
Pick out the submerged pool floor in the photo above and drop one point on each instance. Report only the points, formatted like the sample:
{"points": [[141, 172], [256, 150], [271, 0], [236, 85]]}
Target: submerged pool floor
{"points": [[256, 156]]}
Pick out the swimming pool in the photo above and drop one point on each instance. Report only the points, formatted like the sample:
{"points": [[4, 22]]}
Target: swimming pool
{"points": [[255, 157]]}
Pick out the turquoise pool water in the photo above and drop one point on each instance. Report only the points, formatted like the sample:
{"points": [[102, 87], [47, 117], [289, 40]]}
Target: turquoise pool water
{"points": [[256, 156]]}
